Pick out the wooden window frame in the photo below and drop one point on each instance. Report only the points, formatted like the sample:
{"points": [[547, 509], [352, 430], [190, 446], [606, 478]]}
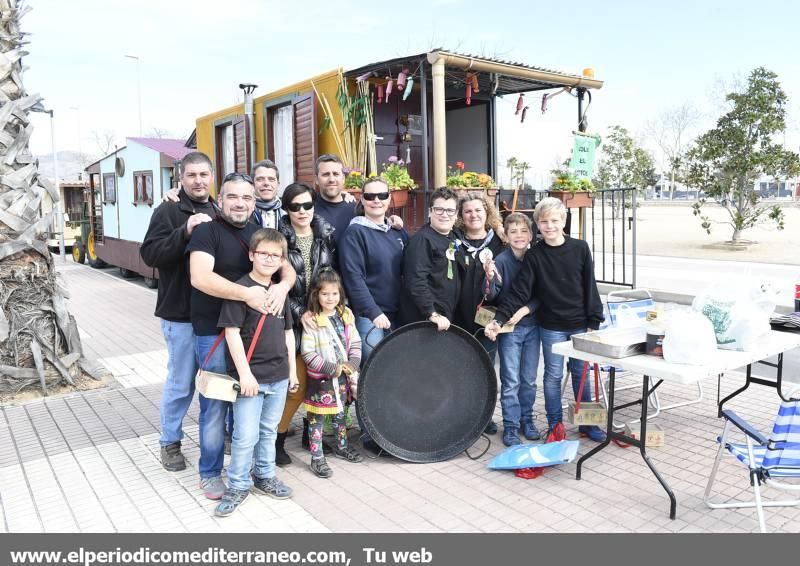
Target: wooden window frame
{"points": [[106, 199], [139, 196]]}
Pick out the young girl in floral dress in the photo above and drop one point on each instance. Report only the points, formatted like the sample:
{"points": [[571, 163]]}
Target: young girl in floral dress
{"points": [[332, 354]]}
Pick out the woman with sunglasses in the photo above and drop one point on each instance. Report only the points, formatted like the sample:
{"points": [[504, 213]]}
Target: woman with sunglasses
{"points": [[311, 248], [371, 258]]}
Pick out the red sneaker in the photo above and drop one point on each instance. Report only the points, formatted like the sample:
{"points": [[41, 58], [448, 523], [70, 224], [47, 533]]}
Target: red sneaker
{"points": [[557, 433]]}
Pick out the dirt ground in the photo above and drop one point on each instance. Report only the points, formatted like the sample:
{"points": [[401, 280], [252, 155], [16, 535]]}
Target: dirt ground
{"points": [[670, 229], [82, 383]]}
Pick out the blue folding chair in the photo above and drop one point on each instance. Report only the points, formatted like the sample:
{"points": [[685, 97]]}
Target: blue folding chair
{"points": [[773, 461]]}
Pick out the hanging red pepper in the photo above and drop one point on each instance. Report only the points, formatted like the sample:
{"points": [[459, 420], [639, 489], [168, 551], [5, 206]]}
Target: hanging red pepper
{"points": [[520, 102], [380, 93], [469, 94], [475, 85]]}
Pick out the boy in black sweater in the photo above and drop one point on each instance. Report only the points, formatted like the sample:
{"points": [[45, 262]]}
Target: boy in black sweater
{"points": [[559, 272]]}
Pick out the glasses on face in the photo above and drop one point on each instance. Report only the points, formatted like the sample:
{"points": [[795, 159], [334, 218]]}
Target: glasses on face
{"points": [[237, 177], [441, 211], [372, 196], [296, 206], [268, 256]]}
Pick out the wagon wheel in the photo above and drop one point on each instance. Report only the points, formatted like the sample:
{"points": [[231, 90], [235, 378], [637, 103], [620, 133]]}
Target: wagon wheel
{"points": [[91, 252], [78, 253]]}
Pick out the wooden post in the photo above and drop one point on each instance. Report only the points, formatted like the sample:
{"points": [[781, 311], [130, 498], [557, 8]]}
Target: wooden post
{"points": [[439, 126]]}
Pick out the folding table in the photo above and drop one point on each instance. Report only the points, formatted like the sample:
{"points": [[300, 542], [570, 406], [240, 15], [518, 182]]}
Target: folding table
{"points": [[773, 344]]}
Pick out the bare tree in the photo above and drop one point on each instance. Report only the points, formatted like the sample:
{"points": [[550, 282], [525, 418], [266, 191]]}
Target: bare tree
{"points": [[105, 140], [39, 341], [159, 133], [670, 133]]}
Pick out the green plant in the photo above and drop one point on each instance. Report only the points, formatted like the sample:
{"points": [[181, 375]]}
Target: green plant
{"points": [[565, 180], [354, 180], [457, 177], [395, 173]]}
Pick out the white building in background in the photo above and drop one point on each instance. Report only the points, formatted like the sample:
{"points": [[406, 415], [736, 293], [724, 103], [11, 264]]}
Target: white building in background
{"points": [[766, 186]]}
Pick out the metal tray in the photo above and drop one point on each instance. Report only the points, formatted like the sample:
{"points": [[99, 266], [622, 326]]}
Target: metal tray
{"points": [[612, 342]]}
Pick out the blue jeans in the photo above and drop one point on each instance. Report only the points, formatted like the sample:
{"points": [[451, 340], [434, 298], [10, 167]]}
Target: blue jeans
{"points": [[257, 421], [519, 362], [554, 372], [179, 385], [365, 327], [212, 411]]}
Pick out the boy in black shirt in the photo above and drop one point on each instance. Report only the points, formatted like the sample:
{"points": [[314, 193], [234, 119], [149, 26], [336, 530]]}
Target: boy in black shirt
{"points": [[264, 374], [559, 272]]}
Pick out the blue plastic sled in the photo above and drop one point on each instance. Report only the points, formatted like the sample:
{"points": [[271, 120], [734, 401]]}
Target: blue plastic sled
{"points": [[535, 455]]}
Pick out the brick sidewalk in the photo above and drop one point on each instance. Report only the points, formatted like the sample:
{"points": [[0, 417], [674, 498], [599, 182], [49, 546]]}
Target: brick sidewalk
{"points": [[89, 461]]}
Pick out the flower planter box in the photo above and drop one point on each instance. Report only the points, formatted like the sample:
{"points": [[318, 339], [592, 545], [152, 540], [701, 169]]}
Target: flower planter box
{"points": [[399, 198], [579, 199]]}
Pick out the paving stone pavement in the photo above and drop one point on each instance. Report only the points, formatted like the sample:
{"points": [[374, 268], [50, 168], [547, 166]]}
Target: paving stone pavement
{"points": [[89, 461]]}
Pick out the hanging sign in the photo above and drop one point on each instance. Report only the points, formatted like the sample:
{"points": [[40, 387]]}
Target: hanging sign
{"points": [[582, 162]]}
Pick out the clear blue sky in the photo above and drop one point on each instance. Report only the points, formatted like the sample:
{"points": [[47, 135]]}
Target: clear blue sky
{"points": [[193, 55]]}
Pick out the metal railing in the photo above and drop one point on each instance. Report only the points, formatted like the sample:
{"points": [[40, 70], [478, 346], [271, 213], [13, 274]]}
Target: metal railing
{"points": [[612, 236]]}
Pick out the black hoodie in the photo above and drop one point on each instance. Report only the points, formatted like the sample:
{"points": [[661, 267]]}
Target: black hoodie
{"points": [[164, 247]]}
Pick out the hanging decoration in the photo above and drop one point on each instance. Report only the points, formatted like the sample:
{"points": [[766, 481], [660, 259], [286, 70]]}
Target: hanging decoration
{"points": [[401, 79], [389, 85], [409, 88], [524, 112], [520, 103]]}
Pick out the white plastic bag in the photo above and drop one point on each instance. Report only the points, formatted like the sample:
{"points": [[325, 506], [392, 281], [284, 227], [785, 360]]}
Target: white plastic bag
{"points": [[739, 312], [688, 338]]}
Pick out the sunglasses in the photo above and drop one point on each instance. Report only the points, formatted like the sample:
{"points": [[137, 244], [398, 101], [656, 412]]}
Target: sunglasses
{"points": [[372, 196], [296, 206]]}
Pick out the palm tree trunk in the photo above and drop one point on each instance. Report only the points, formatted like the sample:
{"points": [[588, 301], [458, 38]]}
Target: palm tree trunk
{"points": [[39, 341]]}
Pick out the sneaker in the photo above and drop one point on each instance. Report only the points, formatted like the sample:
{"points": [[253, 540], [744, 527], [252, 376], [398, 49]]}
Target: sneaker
{"points": [[171, 457], [511, 436], [491, 428], [530, 431], [231, 500], [557, 433], [348, 453], [228, 441], [321, 468], [272, 487], [213, 488], [594, 433]]}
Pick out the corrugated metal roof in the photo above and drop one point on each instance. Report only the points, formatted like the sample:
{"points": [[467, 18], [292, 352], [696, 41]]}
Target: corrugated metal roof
{"points": [[506, 83], [170, 147]]}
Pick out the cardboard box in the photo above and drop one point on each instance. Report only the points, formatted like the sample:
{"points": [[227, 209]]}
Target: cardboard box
{"points": [[216, 385], [589, 413], [655, 434]]}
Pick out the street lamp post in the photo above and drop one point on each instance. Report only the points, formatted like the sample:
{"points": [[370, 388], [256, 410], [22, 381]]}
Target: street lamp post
{"points": [[58, 203], [138, 89]]}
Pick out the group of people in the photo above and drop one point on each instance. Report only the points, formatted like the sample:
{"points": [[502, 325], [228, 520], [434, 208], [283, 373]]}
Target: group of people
{"points": [[289, 293]]}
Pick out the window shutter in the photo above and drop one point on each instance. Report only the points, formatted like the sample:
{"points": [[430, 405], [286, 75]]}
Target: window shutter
{"points": [[241, 145], [305, 137]]}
